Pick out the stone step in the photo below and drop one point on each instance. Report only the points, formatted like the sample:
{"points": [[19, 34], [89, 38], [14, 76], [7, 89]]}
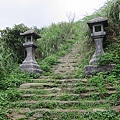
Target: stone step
{"points": [[69, 67], [70, 59], [65, 64], [65, 71], [51, 87], [44, 91], [66, 102], [54, 96], [76, 82], [90, 94], [54, 113], [27, 110], [64, 106], [58, 90], [41, 91], [110, 88], [67, 86], [64, 96], [40, 113], [16, 116], [116, 108], [86, 92], [52, 104], [59, 81], [38, 85], [45, 77], [45, 85]]}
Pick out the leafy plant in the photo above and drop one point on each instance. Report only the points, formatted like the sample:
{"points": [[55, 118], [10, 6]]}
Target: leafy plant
{"points": [[13, 40], [14, 79], [80, 90], [47, 63], [99, 115], [108, 58], [10, 95], [35, 75]]}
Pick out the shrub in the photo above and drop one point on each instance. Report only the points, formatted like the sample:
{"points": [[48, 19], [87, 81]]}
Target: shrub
{"points": [[14, 79], [13, 40]]}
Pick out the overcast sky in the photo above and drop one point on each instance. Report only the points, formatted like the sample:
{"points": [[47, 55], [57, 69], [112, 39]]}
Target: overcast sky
{"points": [[42, 13]]}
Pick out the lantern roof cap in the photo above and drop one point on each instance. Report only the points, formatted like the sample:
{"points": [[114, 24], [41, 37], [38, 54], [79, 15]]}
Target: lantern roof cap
{"points": [[98, 20], [30, 32]]}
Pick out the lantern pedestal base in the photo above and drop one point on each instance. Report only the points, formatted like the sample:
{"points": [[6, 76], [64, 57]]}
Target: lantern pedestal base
{"points": [[31, 67], [92, 69]]}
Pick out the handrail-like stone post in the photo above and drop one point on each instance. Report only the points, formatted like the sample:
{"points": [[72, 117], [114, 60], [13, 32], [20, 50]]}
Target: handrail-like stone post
{"points": [[29, 64], [98, 34]]}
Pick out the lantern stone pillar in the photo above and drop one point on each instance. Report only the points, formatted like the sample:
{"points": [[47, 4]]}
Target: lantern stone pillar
{"points": [[29, 64], [98, 35]]}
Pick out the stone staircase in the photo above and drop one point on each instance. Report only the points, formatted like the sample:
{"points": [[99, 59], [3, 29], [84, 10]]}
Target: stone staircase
{"points": [[69, 63], [48, 98]]}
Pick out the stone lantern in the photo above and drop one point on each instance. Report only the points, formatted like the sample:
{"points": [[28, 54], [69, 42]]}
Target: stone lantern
{"points": [[98, 35], [30, 64]]}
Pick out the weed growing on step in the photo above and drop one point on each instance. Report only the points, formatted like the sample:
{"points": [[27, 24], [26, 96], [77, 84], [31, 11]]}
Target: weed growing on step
{"points": [[35, 75], [69, 116], [79, 90], [114, 97], [101, 80], [33, 91], [98, 115], [101, 115], [81, 84], [57, 76]]}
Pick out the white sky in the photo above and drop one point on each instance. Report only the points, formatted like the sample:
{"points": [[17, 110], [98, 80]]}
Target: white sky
{"points": [[42, 13]]}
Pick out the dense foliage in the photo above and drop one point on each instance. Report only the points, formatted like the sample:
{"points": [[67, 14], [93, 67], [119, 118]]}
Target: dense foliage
{"points": [[13, 40]]}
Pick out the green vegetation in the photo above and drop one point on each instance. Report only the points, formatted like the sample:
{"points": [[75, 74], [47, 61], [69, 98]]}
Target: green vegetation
{"points": [[12, 39], [54, 43], [54, 39]]}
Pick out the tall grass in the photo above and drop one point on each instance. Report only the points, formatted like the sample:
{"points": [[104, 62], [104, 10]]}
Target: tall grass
{"points": [[53, 38], [7, 60]]}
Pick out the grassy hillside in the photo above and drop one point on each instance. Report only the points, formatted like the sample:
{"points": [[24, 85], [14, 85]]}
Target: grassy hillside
{"points": [[56, 41]]}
